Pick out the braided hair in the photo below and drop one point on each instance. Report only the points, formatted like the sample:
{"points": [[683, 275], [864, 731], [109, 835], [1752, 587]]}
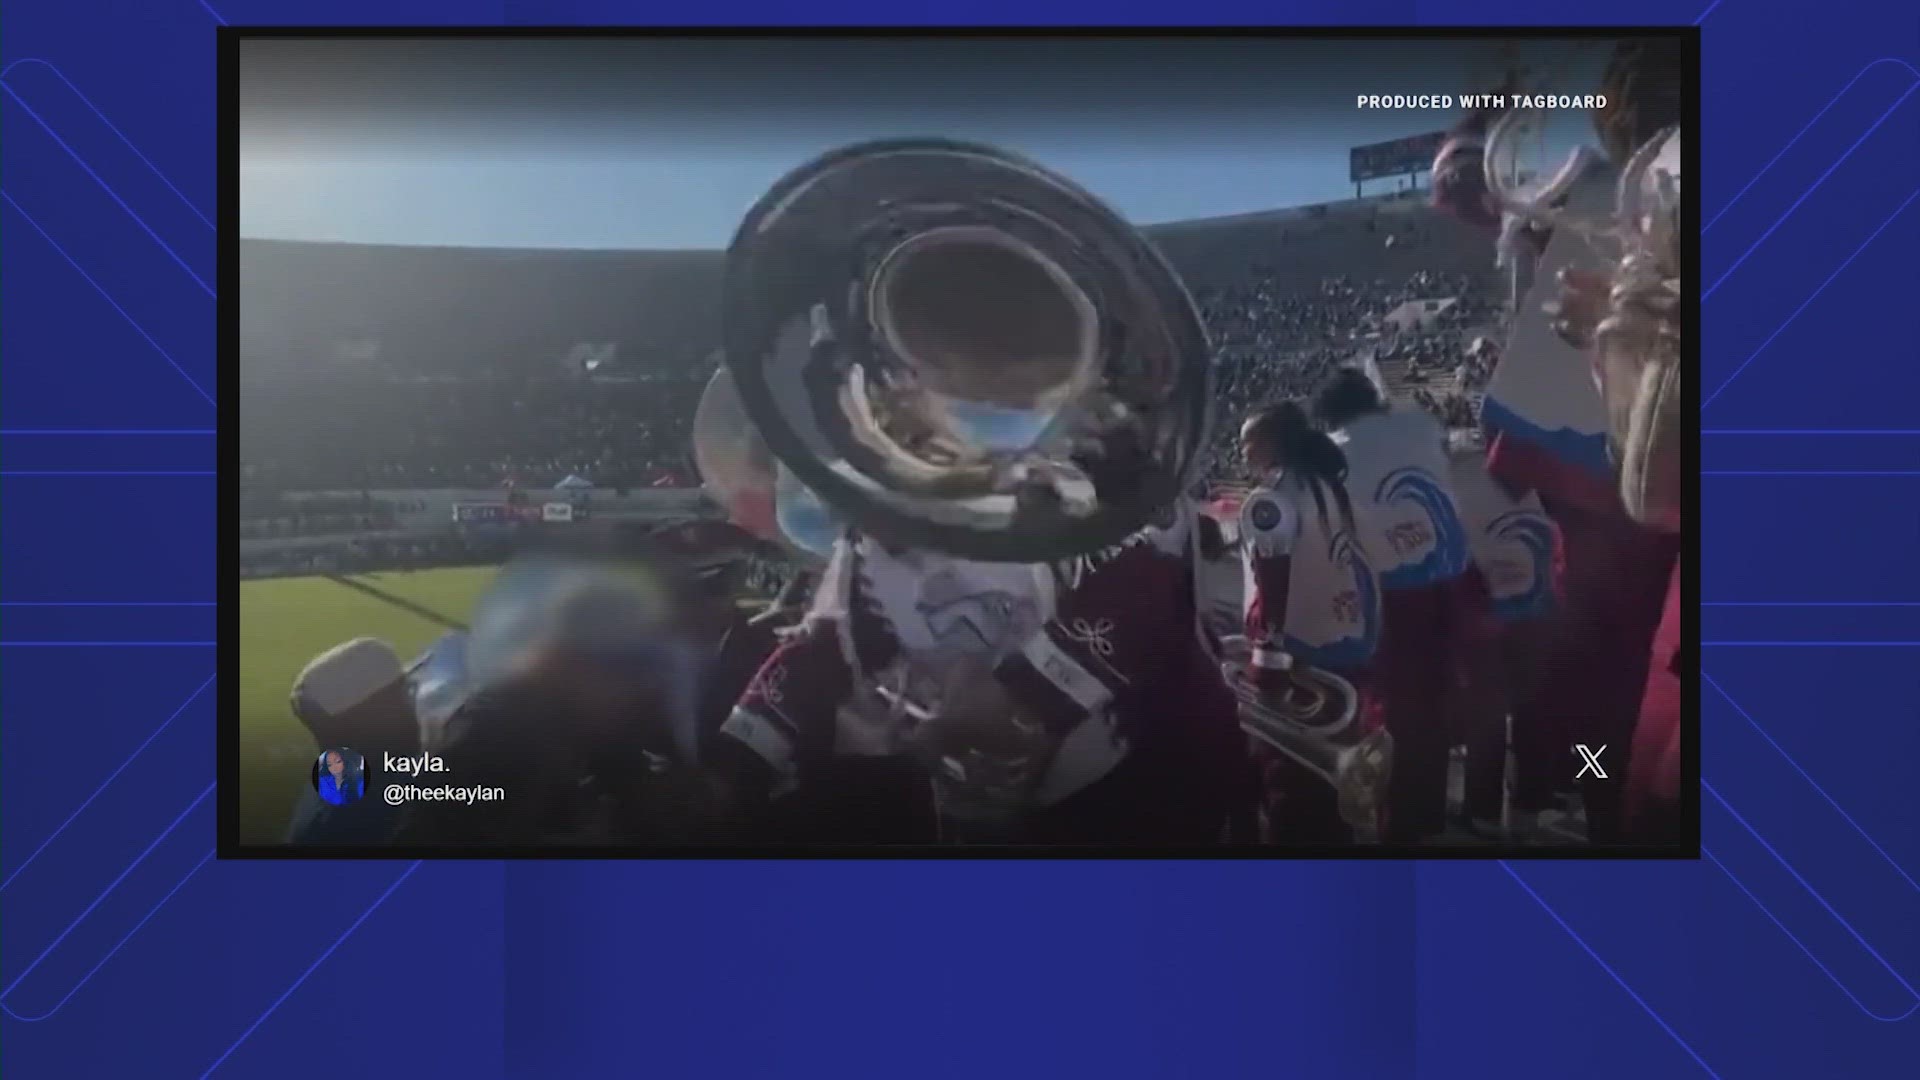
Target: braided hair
{"points": [[1304, 454]]}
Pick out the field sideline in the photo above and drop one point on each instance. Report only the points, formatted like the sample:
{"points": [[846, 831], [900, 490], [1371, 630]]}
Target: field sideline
{"points": [[285, 622]]}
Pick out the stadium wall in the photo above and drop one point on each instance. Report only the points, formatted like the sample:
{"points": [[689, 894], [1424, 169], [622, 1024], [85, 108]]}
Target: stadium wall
{"points": [[434, 509]]}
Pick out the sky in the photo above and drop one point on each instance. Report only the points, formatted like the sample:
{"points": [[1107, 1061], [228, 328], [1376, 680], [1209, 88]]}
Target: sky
{"points": [[665, 144]]}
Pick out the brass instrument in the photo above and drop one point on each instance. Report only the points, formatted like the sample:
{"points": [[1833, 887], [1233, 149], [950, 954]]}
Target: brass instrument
{"points": [[1638, 344], [1314, 718], [1627, 319], [956, 349]]}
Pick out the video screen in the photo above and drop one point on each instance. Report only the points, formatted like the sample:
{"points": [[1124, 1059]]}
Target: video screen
{"points": [[1002, 445]]}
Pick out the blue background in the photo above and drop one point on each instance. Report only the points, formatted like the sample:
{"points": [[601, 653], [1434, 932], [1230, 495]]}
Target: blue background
{"points": [[1791, 950]]}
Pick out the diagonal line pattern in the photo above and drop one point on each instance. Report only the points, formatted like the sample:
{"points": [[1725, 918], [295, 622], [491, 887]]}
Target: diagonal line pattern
{"points": [[1795, 141], [1815, 295], [1811, 891], [108, 782], [311, 968], [1827, 971], [112, 194], [106, 892], [111, 953], [1811, 782], [1805, 195], [35, 61], [105, 295], [383, 898], [1608, 968]]}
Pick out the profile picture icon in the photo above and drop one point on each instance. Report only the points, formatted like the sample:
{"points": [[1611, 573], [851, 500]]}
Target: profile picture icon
{"points": [[339, 775]]}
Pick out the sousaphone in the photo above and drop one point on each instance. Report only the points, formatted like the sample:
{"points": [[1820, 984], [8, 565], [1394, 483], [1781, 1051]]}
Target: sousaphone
{"points": [[956, 349], [1312, 715], [1638, 346]]}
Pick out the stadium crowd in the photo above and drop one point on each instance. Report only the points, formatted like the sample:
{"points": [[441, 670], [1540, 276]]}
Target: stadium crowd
{"points": [[394, 425], [388, 430], [391, 425], [271, 515]]}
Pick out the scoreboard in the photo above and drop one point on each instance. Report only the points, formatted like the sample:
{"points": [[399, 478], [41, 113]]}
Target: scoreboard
{"points": [[1413, 154]]}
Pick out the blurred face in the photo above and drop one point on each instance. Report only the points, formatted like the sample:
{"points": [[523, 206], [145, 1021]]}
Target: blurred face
{"points": [[1253, 450], [336, 765]]}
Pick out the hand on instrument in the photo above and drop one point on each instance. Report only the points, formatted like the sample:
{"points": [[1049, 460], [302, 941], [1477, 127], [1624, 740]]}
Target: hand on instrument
{"points": [[1581, 305]]}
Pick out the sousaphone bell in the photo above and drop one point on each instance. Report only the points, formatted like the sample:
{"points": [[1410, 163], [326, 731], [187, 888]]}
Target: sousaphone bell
{"points": [[956, 349]]}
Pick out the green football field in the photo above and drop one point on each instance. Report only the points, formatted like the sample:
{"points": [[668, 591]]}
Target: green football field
{"points": [[284, 623]]}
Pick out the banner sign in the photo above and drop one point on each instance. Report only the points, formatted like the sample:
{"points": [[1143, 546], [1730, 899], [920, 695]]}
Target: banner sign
{"points": [[493, 513]]}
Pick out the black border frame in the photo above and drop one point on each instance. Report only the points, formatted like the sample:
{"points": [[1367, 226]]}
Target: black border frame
{"points": [[227, 727]]}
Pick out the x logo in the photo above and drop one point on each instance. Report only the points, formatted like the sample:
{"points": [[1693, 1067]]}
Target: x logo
{"points": [[1590, 761]]}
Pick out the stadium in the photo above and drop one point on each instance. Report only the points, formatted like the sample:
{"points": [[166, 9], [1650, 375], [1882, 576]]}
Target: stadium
{"points": [[412, 416]]}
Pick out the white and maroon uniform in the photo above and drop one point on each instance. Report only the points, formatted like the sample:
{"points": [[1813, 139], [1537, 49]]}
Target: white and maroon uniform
{"points": [[1093, 655], [1547, 433], [1509, 594], [1409, 524], [1311, 595], [1549, 426], [1312, 600], [1404, 507], [1513, 543]]}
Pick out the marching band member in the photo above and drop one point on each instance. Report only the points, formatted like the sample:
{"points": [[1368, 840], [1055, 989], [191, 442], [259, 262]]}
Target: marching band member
{"points": [[1409, 525], [1636, 359], [1311, 601], [1511, 594], [1050, 703], [1204, 748], [1548, 425]]}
